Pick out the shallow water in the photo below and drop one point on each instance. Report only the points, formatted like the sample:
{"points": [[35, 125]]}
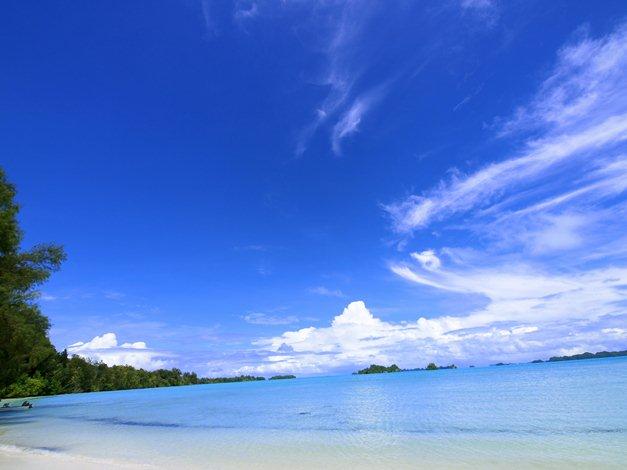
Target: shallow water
{"points": [[568, 414]]}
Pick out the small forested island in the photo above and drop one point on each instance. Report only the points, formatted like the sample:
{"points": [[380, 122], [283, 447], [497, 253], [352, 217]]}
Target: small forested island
{"points": [[378, 369], [282, 377], [586, 355], [433, 366]]}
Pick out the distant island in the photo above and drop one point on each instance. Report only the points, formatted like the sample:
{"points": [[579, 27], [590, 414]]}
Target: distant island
{"points": [[282, 377], [574, 357], [586, 355], [378, 369]]}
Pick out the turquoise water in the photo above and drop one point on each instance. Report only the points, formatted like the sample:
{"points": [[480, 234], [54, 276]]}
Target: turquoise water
{"points": [[568, 414]]}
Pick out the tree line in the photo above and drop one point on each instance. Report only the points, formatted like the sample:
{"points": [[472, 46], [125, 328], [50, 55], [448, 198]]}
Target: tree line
{"points": [[29, 363]]}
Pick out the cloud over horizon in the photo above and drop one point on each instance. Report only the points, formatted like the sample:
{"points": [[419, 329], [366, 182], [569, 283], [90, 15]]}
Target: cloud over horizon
{"points": [[105, 348], [549, 227], [356, 338]]}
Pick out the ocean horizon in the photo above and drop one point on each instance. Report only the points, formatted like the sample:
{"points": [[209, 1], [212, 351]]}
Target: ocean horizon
{"points": [[552, 415], [226, 225]]}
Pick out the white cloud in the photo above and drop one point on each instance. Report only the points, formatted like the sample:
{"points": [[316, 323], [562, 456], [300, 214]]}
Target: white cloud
{"points": [[479, 189], [587, 81], [245, 10], [580, 112], [321, 290], [546, 225], [351, 118], [356, 338], [477, 4], [105, 348], [344, 106], [340, 73], [519, 292], [428, 259], [258, 318], [558, 232]]}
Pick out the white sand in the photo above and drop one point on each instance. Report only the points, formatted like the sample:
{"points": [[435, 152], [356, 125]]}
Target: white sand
{"points": [[14, 457]]}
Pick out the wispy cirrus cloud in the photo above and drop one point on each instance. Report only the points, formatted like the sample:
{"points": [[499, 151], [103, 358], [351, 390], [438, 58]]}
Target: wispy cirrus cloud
{"points": [[260, 318], [541, 227], [523, 292], [579, 123], [321, 290], [245, 10], [351, 118], [341, 68], [545, 221], [480, 188]]}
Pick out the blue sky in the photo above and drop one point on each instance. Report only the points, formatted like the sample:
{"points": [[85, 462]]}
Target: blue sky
{"points": [[307, 187]]}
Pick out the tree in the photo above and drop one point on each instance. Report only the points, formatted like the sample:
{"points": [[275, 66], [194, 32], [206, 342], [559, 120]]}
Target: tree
{"points": [[29, 363], [24, 345]]}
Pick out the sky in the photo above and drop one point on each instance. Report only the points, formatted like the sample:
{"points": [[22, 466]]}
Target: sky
{"points": [[309, 187]]}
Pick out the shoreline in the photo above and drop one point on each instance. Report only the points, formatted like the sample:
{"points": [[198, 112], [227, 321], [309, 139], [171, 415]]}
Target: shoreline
{"points": [[12, 456]]}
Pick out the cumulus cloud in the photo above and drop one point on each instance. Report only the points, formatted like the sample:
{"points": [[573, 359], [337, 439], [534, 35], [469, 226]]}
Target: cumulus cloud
{"points": [[105, 348], [546, 224], [356, 337]]}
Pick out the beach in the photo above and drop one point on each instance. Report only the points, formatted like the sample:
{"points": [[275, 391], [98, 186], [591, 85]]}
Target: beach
{"points": [[558, 415]]}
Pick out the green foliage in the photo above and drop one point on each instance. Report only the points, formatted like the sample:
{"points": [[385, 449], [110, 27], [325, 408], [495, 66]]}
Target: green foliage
{"points": [[588, 355], [77, 375], [433, 366], [29, 363], [27, 387], [282, 377], [24, 346], [377, 369]]}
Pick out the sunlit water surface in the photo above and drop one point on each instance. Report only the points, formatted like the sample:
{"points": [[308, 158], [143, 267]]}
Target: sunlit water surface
{"points": [[569, 414]]}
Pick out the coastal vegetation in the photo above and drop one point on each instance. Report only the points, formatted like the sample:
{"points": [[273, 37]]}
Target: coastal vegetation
{"points": [[378, 369], [574, 357], [282, 377], [586, 355], [432, 366], [29, 363]]}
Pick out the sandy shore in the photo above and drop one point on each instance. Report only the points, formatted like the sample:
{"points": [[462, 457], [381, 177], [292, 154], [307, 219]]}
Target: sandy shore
{"points": [[15, 457]]}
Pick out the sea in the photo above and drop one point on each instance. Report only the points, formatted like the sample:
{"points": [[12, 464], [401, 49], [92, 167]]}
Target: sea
{"points": [[551, 415]]}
